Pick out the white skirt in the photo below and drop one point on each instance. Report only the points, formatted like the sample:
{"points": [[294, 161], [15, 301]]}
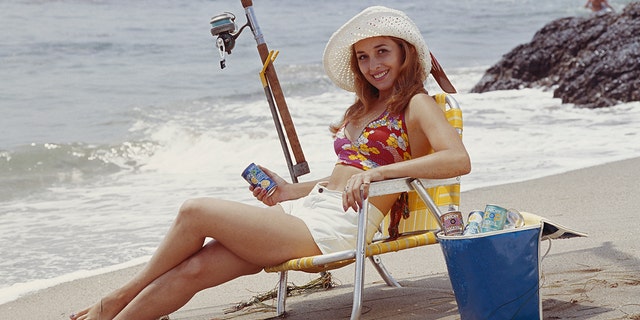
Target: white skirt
{"points": [[331, 227]]}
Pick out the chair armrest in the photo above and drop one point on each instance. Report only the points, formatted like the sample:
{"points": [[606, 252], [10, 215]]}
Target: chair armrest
{"points": [[380, 188]]}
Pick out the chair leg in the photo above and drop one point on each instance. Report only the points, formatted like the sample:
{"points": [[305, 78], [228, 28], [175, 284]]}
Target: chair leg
{"points": [[386, 276], [358, 283], [358, 287], [282, 294]]}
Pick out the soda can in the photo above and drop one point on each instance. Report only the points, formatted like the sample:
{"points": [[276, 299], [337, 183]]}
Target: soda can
{"points": [[452, 223], [514, 219], [258, 178], [494, 218], [474, 222]]}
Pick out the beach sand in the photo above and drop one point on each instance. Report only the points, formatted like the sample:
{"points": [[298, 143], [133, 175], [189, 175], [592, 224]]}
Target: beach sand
{"points": [[597, 277]]}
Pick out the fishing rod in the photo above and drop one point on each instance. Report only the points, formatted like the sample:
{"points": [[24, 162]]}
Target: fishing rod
{"points": [[224, 28]]}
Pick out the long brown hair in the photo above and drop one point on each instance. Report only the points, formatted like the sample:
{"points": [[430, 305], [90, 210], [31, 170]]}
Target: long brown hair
{"points": [[409, 83]]}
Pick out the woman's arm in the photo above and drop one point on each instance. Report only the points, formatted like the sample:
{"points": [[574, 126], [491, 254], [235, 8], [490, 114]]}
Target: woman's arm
{"points": [[428, 129], [285, 191]]}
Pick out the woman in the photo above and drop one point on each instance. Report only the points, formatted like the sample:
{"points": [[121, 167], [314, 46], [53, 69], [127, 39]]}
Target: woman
{"points": [[381, 56]]}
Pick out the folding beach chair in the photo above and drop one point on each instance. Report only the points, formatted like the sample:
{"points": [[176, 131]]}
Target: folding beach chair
{"points": [[425, 197]]}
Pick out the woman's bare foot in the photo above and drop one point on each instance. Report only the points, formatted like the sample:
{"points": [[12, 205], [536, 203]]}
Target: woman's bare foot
{"points": [[75, 316], [105, 309], [92, 313]]}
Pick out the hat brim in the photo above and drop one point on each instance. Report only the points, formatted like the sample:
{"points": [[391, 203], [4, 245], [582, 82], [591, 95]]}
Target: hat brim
{"points": [[374, 22]]}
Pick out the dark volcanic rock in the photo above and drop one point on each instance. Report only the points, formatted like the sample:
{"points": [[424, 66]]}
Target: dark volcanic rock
{"points": [[591, 62]]}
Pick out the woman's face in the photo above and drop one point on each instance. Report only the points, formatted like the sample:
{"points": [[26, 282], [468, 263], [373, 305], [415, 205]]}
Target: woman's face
{"points": [[379, 60]]}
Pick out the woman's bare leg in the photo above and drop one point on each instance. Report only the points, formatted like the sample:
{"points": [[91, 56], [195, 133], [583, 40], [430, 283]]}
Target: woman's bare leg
{"points": [[211, 266], [258, 236]]}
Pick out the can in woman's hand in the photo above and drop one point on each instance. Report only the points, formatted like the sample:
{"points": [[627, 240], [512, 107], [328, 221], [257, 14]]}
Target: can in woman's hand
{"points": [[258, 178]]}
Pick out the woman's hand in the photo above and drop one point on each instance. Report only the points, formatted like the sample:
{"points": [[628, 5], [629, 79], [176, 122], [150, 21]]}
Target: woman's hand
{"points": [[351, 197], [277, 196]]}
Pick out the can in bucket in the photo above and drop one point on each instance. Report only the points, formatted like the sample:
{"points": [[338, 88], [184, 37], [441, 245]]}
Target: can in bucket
{"points": [[474, 222], [494, 218], [514, 219], [452, 223], [258, 178]]}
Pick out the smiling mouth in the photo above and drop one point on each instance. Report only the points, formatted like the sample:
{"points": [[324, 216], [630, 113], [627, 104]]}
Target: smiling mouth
{"points": [[380, 75]]}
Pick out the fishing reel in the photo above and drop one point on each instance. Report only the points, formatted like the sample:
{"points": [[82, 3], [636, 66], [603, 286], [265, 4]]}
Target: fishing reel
{"points": [[224, 27]]}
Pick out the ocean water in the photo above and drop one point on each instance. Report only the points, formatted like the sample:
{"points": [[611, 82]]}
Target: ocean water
{"points": [[112, 113]]}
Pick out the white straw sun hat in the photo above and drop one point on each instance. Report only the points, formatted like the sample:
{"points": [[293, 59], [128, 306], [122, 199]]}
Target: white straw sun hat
{"points": [[372, 22]]}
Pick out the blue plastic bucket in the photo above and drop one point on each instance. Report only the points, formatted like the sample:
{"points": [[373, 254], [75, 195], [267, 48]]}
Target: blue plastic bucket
{"points": [[495, 275]]}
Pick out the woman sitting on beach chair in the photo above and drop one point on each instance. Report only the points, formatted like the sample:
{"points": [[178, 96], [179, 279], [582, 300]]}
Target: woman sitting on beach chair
{"points": [[387, 133]]}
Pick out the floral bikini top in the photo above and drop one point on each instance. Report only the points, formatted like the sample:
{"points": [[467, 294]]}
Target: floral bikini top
{"points": [[383, 141]]}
